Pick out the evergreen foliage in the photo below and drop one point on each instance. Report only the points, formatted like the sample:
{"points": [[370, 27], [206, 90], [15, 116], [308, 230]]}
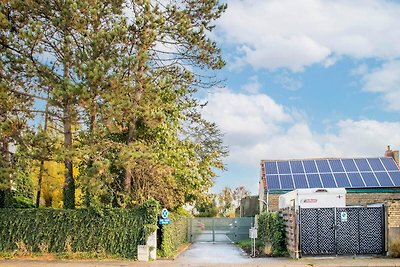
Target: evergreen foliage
{"points": [[173, 235], [115, 80], [116, 232], [271, 231]]}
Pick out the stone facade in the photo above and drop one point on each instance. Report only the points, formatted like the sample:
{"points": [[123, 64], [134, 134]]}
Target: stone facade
{"points": [[369, 198], [292, 231], [273, 202], [393, 226]]}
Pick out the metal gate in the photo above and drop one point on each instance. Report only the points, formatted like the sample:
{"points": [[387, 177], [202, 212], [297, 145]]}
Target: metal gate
{"points": [[225, 230], [355, 230]]}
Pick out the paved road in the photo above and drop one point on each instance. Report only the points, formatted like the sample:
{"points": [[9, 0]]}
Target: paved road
{"points": [[209, 254], [212, 253]]}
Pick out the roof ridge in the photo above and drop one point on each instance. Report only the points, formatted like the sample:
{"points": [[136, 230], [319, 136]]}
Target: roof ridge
{"points": [[327, 158]]}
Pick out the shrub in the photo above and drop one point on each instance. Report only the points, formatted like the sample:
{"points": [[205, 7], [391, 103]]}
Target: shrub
{"points": [[115, 231], [173, 235], [247, 245], [271, 232], [20, 202]]}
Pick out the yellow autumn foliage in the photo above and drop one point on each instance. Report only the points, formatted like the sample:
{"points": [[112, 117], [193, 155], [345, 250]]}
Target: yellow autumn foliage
{"points": [[52, 184]]}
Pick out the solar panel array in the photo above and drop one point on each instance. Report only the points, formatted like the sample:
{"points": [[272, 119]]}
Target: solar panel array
{"points": [[331, 173]]}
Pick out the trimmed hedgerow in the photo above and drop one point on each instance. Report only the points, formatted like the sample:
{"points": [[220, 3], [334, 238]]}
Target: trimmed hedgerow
{"points": [[116, 232], [271, 231], [173, 235]]}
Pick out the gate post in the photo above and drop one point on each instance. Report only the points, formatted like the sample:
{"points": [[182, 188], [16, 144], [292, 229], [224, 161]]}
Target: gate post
{"points": [[213, 229], [335, 227], [189, 232]]}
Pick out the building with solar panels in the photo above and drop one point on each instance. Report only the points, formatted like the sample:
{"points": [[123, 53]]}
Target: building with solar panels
{"points": [[366, 180]]}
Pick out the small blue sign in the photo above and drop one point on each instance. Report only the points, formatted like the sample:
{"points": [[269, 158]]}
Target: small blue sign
{"points": [[164, 221], [164, 213]]}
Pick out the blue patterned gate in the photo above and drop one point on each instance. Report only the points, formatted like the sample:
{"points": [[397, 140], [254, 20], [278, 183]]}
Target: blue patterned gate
{"points": [[355, 230]]}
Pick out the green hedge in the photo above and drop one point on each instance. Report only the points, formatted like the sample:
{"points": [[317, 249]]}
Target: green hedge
{"points": [[173, 235], [271, 231], [116, 232]]}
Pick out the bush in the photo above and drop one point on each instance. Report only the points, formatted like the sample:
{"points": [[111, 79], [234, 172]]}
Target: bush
{"points": [[20, 202], [173, 235], [115, 231], [247, 244], [271, 232]]}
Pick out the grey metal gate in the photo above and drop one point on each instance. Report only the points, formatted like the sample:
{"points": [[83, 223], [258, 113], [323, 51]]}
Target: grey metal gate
{"points": [[355, 230], [225, 230]]}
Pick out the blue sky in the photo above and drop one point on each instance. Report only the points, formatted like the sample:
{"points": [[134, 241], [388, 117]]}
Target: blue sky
{"points": [[304, 79]]}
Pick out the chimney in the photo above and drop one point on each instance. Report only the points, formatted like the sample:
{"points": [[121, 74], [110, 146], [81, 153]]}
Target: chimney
{"points": [[392, 154], [396, 156]]}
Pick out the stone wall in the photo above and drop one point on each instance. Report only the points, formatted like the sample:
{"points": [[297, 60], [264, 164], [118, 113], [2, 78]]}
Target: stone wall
{"points": [[273, 202], [393, 227], [369, 198], [292, 233]]}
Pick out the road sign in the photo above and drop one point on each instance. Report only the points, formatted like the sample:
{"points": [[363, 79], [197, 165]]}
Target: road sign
{"points": [[164, 221], [164, 213], [343, 216], [253, 232]]}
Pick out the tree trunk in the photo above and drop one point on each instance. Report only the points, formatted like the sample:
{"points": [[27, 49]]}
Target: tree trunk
{"points": [[5, 153], [139, 78], [69, 184], [40, 177], [92, 126], [128, 171]]}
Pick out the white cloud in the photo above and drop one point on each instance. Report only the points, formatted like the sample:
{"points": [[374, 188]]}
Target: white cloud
{"points": [[291, 34], [256, 127], [384, 80], [252, 86], [288, 81], [245, 118]]}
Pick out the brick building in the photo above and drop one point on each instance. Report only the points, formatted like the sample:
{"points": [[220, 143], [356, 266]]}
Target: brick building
{"points": [[366, 180]]}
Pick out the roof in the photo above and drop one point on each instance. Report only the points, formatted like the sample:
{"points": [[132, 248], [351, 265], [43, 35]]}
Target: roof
{"points": [[330, 173]]}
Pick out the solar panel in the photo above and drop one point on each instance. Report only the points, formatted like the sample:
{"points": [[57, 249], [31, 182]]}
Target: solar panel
{"points": [[376, 164], [314, 180], [342, 180], [309, 166], [283, 167], [369, 179], [270, 168], [297, 167], [286, 181], [331, 173], [300, 181], [336, 165], [389, 164], [349, 165], [328, 180], [395, 177], [384, 179], [323, 166], [356, 180], [362, 165], [273, 182]]}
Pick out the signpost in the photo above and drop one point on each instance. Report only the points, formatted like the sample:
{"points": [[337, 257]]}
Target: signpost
{"points": [[253, 235], [164, 217]]}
